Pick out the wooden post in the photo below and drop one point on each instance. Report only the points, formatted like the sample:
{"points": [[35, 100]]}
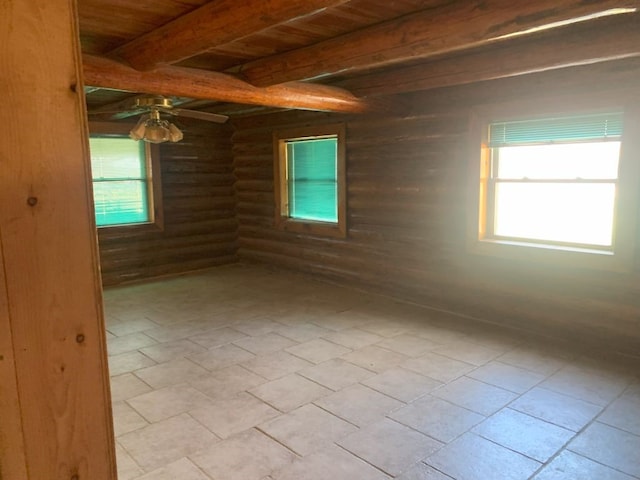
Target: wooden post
{"points": [[55, 417]]}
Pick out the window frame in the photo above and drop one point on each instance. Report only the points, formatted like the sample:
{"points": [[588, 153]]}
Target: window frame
{"points": [[282, 219], [153, 180], [619, 256]]}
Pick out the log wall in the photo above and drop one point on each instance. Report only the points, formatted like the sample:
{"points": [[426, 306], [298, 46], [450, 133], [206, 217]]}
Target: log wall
{"points": [[200, 228], [407, 212]]}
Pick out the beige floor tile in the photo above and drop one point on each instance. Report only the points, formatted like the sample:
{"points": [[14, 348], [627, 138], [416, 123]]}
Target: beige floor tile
{"points": [[182, 469], [409, 345], [471, 457], [343, 320], [353, 338], [290, 392], [167, 441], [172, 373], [506, 376], [276, 365], [163, 352], [473, 395], [438, 367], [128, 362], [633, 391], [536, 360], [494, 337], [386, 328], [250, 455], [307, 429], [333, 463], [228, 381], [253, 308], [317, 350], [624, 413], [216, 337], [126, 419], [468, 352], [265, 344], [401, 384], [359, 405], [168, 402], [590, 387], [128, 469], [561, 410], [524, 434], [127, 327], [230, 415], [438, 334], [570, 466], [390, 446], [127, 386], [178, 331], [257, 326], [437, 418], [335, 374], [302, 332], [221, 357], [609, 446], [375, 358], [423, 472]]}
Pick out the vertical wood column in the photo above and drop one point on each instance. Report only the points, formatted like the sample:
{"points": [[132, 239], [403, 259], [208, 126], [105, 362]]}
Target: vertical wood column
{"points": [[55, 416]]}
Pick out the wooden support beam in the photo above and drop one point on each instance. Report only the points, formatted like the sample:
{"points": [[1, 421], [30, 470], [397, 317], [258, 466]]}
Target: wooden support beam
{"points": [[213, 24], [55, 405], [604, 40], [193, 83], [452, 27]]}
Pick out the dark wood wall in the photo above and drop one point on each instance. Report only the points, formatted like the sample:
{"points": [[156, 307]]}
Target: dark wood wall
{"points": [[407, 210], [200, 227]]}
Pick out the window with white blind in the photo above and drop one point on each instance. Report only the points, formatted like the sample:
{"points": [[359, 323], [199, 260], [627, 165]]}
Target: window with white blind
{"points": [[549, 183], [309, 169], [121, 181]]}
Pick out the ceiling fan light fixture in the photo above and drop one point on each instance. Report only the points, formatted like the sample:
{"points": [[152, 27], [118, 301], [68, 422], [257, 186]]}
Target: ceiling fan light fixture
{"points": [[175, 134], [151, 128], [137, 132], [156, 132]]}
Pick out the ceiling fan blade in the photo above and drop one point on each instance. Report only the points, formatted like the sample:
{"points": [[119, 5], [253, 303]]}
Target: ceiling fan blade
{"points": [[209, 117], [119, 114]]}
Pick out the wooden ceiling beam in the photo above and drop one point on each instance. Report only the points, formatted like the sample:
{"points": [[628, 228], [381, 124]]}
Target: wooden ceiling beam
{"points": [[453, 27], [213, 24], [607, 39], [193, 83]]}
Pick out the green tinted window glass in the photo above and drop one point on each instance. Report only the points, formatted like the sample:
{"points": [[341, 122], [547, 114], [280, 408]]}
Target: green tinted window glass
{"points": [[119, 174], [601, 126], [312, 179]]}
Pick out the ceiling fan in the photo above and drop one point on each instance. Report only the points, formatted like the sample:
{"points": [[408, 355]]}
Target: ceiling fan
{"points": [[152, 127]]}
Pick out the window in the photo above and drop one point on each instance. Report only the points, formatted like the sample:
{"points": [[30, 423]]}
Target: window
{"points": [[310, 173], [125, 192], [549, 184]]}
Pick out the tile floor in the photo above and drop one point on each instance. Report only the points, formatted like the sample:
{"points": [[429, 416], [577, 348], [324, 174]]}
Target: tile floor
{"points": [[243, 373]]}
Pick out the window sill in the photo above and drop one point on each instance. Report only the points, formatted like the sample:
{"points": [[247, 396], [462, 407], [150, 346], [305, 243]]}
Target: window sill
{"points": [[557, 255], [312, 227], [108, 231]]}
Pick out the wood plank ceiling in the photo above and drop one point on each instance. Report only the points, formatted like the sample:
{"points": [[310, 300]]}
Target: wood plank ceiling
{"points": [[335, 55]]}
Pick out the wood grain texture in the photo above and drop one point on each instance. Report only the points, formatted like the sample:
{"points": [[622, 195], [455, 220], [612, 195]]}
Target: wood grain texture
{"points": [[606, 39], [190, 82], [49, 250], [12, 455], [442, 30], [200, 229], [211, 25], [407, 213]]}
